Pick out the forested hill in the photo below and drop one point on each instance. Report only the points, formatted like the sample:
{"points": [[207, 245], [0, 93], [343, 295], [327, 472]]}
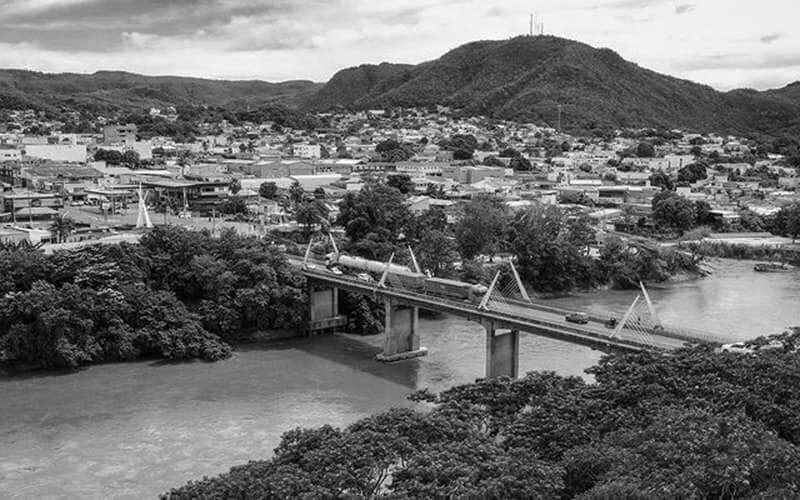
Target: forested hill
{"points": [[529, 77], [116, 90]]}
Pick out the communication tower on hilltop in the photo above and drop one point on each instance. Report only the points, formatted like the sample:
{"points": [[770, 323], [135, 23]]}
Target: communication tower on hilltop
{"points": [[536, 28]]}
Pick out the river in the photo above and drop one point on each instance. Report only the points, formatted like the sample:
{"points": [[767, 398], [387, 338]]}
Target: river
{"points": [[137, 429]]}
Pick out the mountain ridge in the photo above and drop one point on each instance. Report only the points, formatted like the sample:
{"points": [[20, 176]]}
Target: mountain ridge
{"points": [[536, 79], [108, 90], [530, 78]]}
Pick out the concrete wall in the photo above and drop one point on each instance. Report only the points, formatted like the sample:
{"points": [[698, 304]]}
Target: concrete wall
{"points": [[502, 352], [401, 327], [324, 304]]}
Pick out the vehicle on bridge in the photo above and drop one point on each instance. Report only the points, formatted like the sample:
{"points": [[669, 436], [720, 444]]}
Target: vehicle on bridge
{"points": [[580, 318], [412, 280]]}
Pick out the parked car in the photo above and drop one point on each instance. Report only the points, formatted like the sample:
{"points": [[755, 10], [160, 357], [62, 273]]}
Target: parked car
{"points": [[580, 318], [366, 277], [738, 348]]}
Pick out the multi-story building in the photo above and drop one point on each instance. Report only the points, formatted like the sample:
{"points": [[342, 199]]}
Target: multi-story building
{"points": [[119, 133]]}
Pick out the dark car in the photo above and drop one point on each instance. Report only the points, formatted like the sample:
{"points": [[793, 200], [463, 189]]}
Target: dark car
{"points": [[580, 318]]}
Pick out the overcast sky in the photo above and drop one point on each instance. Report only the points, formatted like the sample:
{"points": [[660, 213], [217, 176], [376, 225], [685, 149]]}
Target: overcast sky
{"points": [[723, 43]]}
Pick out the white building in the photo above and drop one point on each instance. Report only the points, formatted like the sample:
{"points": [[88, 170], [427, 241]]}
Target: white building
{"points": [[10, 155], [68, 153], [311, 151]]}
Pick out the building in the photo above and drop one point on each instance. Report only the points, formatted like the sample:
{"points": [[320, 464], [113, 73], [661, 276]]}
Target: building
{"points": [[113, 134], [199, 195], [9, 154], [309, 151], [69, 153], [30, 205], [54, 176]]}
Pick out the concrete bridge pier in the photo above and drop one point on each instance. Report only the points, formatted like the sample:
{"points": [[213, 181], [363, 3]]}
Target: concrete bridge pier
{"points": [[502, 351], [324, 308], [401, 329]]}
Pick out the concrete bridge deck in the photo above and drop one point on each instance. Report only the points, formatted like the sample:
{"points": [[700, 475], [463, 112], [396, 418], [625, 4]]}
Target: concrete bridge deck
{"points": [[540, 320]]}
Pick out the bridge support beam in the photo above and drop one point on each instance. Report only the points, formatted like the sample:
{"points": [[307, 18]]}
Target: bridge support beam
{"points": [[502, 352], [324, 309], [401, 333]]}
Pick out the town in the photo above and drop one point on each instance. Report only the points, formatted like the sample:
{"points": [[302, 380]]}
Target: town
{"points": [[72, 180]]}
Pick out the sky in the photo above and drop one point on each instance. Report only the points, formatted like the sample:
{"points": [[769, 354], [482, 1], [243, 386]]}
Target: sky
{"points": [[723, 43]]}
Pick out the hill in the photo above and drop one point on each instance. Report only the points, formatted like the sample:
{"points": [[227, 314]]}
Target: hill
{"points": [[115, 90], [528, 78]]}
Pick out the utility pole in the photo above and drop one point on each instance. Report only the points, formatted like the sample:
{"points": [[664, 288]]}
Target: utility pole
{"points": [[531, 30], [559, 118]]}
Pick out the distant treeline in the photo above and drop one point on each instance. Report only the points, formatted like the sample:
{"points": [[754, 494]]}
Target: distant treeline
{"points": [[726, 250]]}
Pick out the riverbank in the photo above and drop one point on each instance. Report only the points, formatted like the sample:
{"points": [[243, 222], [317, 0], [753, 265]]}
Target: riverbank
{"points": [[137, 429], [729, 250]]}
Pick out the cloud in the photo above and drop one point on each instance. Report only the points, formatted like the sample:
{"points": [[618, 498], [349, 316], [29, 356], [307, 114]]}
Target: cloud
{"points": [[312, 39]]}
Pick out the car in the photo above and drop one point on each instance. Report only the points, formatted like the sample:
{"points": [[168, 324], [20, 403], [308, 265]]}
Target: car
{"points": [[337, 271], [611, 323], [738, 347], [580, 318], [365, 277]]}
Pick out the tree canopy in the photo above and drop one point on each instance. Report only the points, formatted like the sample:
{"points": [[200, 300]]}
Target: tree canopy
{"points": [[690, 424]]}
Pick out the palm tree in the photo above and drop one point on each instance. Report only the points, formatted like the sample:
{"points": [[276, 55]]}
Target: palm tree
{"points": [[62, 226]]}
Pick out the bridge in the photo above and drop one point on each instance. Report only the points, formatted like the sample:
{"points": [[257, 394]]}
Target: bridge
{"points": [[502, 314]]}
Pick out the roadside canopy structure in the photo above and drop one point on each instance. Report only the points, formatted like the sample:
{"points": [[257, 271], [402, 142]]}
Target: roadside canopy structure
{"points": [[35, 213]]}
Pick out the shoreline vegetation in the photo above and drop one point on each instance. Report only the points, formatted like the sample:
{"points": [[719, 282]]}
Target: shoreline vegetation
{"points": [[180, 294], [727, 250], [648, 427], [176, 295]]}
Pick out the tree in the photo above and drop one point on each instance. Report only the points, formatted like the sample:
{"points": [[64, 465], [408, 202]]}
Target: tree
{"points": [[482, 227], [645, 150], [393, 151], [520, 163], [112, 157], [375, 219], [702, 211], [673, 211], [552, 253], [660, 179], [296, 193], [493, 161], [437, 252], [235, 186], [692, 173], [130, 158], [62, 225], [791, 220], [401, 182], [319, 193], [310, 213], [268, 190]]}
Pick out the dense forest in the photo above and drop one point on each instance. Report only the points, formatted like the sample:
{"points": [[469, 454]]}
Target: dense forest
{"points": [[178, 294], [694, 424]]}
